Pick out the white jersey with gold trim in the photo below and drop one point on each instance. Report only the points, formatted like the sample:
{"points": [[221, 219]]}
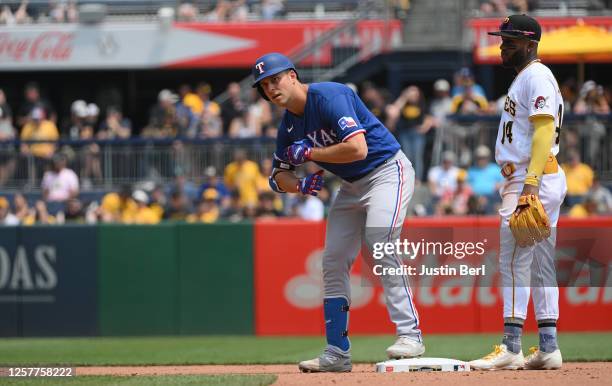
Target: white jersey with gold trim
{"points": [[533, 92]]}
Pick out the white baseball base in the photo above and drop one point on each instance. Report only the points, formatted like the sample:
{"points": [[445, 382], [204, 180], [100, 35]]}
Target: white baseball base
{"points": [[421, 364]]}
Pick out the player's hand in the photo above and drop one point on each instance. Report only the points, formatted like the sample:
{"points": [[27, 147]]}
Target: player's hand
{"points": [[530, 189], [311, 184], [299, 152]]}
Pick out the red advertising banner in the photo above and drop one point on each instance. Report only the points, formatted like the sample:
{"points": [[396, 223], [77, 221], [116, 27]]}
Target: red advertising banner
{"points": [[371, 37], [564, 39], [289, 287]]}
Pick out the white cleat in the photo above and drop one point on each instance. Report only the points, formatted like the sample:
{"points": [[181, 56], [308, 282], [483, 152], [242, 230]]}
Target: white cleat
{"points": [[405, 347], [499, 359], [540, 360]]}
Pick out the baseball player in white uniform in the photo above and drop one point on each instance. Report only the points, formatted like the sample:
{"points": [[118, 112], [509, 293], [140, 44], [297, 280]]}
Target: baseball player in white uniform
{"points": [[527, 143]]}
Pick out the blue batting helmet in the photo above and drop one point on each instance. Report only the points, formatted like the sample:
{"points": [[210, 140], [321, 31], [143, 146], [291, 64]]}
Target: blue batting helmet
{"points": [[270, 64]]}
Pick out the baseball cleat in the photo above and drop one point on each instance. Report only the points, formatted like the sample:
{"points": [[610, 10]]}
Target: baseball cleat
{"points": [[326, 363], [405, 347], [540, 360], [499, 359]]}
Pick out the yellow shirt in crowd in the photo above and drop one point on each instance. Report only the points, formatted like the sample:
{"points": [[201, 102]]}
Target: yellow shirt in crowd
{"points": [[46, 130], [208, 217], [117, 209], [579, 179], [244, 177]]}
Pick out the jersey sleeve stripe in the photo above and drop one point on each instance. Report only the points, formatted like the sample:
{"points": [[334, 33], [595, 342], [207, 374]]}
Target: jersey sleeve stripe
{"points": [[351, 135]]}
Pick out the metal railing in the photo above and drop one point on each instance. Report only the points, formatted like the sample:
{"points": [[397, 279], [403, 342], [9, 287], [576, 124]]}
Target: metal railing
{"points": [[588, 134], [105, 165]]}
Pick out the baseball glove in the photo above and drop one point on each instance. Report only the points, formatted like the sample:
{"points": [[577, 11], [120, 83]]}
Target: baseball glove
{"points": [[529, 222]]}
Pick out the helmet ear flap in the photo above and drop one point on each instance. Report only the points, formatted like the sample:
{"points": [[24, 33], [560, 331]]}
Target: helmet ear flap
{"points": [[261, 92]]}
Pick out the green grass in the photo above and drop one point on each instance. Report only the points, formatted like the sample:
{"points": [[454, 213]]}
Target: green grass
{"points": [[174, 380], [255, 350]]}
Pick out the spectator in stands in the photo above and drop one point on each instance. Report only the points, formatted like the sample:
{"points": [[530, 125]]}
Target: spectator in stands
{"points": [[469, 102], [7, 133], [60, 183], [40, 215], [93, 115], [243, 126], [62, 12], [234, 212], [374, 100], [186, 121], [233, 106], [212, 181], [74, 213], [210, 125], [272, 9], [521, 6], [221, 11], [6, 217], [204, 91], [442, 179], [187, 12], [143, 214], [260, 113], [118, 206], [411, 124], [591, 100], [22, 208], [569, 93], [266, 208], [32, 100], [207, 211], [457, 201], [115, 125], [179, 207], [162, 117], [579, 178], [485, 177], [242, 175], [38, 128], [441, 104], [465, 79], [586, 208], [78, 115], [239, 11], [19, 17], [158, 200], [183, 184], [310, 208], [602, 197]]}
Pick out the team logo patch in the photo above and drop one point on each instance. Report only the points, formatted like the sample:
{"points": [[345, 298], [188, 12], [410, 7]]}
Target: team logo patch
{"points": [[540, 102], [346, 122], [260, 67]]}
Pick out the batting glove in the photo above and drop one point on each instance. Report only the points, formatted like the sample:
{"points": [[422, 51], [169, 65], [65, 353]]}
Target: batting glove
{"points": [[299, 152], [311, 184], [274, 185]]}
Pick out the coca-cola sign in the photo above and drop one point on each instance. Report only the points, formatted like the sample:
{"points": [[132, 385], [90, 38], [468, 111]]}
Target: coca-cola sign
{"points": [[47, 46]]}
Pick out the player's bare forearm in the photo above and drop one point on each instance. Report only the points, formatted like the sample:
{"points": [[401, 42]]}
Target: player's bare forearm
{"points": [[287, 181], [354, 149]]}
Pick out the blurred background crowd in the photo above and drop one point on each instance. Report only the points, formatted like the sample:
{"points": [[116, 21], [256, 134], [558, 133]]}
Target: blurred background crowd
{"points": [[66, 188], [144, 146]]}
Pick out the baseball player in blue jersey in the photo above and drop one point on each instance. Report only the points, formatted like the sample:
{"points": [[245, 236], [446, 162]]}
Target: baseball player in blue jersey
{"points": [[328, 124]]}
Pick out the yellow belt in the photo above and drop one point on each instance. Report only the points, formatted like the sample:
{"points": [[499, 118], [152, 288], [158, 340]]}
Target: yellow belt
{"points": [[551, 167]]}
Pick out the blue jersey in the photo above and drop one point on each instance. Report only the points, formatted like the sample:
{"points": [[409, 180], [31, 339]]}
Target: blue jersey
{"points": [[333, 114]]}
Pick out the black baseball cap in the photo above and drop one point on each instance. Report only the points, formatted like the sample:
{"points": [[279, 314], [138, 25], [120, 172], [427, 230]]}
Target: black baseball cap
{"points": [[520, 27]]}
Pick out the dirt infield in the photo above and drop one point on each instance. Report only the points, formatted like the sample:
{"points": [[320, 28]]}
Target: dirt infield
{"points": [[590, 373]]}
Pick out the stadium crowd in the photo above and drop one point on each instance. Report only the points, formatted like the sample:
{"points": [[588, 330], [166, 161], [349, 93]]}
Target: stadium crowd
{"points": [[460, 184]]}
